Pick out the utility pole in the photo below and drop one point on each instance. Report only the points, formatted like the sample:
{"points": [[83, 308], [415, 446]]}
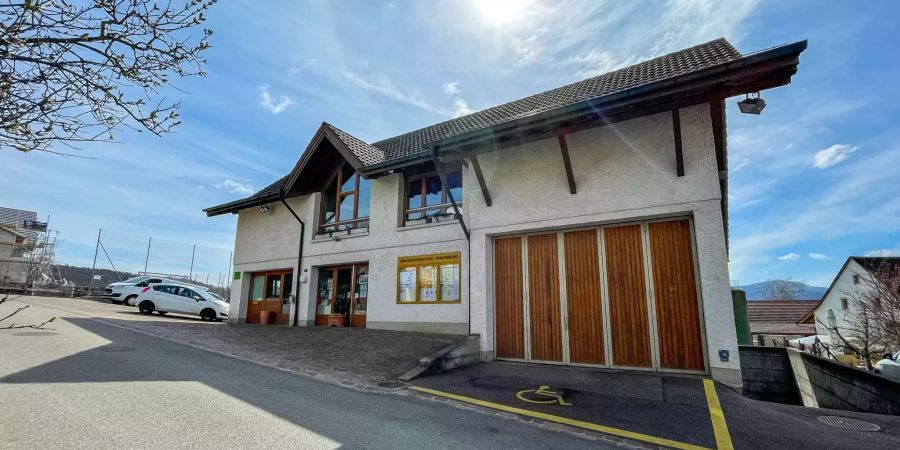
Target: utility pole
{"points": [[147, 259], [94, 266], [193, 252]]}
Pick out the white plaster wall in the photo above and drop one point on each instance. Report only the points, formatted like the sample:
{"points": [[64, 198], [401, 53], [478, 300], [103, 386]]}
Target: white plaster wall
{"points": [[623, 172], [270, 241], [843, 288]]}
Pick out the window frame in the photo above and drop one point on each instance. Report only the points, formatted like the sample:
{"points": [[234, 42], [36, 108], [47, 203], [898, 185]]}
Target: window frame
{"points": [[437, 261], [445, 205], [339, 224]]}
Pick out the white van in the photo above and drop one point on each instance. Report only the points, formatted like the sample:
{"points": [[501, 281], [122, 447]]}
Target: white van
{"points": [[178, 298]]}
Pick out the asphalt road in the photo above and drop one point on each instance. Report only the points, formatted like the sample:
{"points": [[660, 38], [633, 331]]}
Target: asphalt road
{"points": [[86, 384]]}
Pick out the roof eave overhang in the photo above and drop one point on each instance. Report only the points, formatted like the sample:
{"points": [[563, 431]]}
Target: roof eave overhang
{"points": [[751, 73], [235, 206]]}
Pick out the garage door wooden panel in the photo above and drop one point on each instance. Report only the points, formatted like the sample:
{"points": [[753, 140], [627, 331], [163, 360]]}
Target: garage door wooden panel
{"points": [[510, 329], [543, 298], [675, 293], [583, 297], [630, 333]]}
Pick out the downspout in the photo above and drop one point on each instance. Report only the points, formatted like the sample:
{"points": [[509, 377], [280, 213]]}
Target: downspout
{"points": [[462, 224], [299, 261]]}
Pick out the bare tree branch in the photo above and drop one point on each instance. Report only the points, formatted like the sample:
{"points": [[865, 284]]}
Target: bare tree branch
{"points": [[77, 71]]}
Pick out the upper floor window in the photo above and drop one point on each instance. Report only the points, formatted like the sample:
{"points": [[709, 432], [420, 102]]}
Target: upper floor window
{"points": [[426, 198], [345, 202], [844, 303], [855, 278]]}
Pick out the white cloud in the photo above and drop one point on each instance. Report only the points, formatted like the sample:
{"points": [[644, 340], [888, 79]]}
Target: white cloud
{"points": [[883, 252], [817, 256], [462, 108], [384, 86], [830, 156], [267, 102], [789, 257], [451, 88], [235, 187], [744, 163]]}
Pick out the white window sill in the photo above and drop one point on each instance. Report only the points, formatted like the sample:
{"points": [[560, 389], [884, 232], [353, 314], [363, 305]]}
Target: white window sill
{"points": [[428, 225]]}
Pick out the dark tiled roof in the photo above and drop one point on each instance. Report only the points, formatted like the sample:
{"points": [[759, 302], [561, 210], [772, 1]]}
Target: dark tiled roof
{"points": [[779, 311], [871, 263], [366, 153], [413, 144], [672, 65]]}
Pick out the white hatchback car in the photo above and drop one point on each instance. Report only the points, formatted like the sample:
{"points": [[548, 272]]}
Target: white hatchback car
{"points": [[889, 367], [178, 298], [124, 292]]}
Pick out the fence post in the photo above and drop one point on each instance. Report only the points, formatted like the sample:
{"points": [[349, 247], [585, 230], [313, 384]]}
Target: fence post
{"points": [[147, 259], [94, 266], [194, 251]]}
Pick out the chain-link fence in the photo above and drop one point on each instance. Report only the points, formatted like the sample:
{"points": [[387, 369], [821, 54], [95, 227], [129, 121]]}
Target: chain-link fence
{"points": [[122, 255]]}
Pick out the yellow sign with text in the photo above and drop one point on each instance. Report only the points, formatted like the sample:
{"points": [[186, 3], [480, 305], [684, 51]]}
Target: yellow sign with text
{"points": [[422, 260]]}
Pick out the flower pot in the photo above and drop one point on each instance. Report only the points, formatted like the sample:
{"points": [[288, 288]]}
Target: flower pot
{"points": [[336, 320], [265, 317]]}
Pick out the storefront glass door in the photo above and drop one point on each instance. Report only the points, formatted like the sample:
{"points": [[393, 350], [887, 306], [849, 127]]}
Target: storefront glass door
{"points": [[342, 295]]}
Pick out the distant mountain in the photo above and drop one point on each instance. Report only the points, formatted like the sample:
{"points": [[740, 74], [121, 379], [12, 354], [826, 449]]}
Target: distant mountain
{"points": [[757, 291]]}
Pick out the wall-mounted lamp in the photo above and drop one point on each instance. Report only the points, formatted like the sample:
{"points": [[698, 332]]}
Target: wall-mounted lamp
{"points": [[265, 209], [752, 105]]}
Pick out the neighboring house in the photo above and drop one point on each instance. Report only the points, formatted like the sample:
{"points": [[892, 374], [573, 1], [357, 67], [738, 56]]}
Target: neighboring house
{"points": [[837, 305], [773, 321], [585, 225], [13, 264]]}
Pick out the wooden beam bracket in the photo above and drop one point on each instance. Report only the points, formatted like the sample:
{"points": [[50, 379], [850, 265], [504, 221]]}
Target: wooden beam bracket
{"points": [[481, 183], [567, 162], [676, 128]]}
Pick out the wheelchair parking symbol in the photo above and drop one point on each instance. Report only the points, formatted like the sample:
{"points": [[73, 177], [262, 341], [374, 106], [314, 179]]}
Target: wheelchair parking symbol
{"points": [[543, 395]]}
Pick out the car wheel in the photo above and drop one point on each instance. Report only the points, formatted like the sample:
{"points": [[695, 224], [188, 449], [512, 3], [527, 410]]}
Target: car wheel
{"points": [[146, 307], [208, 315], [128, 300]]}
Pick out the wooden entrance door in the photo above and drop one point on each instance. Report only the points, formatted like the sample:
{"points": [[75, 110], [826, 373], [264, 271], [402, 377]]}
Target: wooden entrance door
{"points": [[269, 292], [510, 329], [628, 311], [675, 295], [343, 290], [545, 322], [583, 305]]}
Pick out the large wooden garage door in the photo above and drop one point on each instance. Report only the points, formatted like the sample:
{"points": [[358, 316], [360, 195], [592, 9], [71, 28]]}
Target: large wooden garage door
{"points": [[583, 303], [675, 293], [509, 299], [543, 298], [628, 318], [638, 307]]}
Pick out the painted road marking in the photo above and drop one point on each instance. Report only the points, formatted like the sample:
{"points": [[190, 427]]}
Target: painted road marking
{"points": [[543, 391], [720, 428], [563, 420]]}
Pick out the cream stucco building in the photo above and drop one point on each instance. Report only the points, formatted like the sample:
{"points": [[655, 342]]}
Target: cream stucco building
{"points": [[586, 225]]}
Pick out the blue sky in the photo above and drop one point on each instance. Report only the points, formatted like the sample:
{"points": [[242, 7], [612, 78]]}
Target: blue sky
{"points": [[813, 179]]}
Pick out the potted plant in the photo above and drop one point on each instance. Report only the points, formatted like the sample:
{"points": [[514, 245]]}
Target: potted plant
{"points": [[338, 317], [265, 317]]}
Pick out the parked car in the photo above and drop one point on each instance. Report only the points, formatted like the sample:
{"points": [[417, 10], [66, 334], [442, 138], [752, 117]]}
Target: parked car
{"points": [[179, 298], [124, 292], [889, 367]]}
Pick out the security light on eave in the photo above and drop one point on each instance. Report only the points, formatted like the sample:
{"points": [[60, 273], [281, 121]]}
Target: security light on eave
{"points": [[752, 105]]}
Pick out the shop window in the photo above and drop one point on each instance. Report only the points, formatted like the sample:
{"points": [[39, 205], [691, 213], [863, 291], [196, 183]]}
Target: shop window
{"points": [[427, 200], [429, 279], [345, 202], [256, 289]]}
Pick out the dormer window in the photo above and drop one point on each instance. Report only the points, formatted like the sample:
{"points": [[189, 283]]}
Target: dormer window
{"points": [[345, 201]]}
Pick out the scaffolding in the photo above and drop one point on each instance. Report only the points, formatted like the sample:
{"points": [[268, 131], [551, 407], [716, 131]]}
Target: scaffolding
{"points": [[28, 254]]}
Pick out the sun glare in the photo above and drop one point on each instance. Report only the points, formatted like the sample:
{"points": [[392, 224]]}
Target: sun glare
{"points": [[501, 12]]}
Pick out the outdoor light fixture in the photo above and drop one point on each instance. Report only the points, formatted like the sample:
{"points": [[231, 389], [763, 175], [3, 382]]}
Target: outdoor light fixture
{"points": [[752, 105], [265, 209]]}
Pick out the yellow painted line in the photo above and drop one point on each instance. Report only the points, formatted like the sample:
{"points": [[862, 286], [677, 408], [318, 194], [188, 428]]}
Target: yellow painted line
{"points": [[720, 428], [563, 420]]}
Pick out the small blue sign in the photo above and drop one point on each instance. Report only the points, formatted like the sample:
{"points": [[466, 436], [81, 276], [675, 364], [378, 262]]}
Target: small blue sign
{"points": [[723, 355]]}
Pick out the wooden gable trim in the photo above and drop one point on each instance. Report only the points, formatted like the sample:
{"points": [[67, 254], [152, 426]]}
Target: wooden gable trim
{"points": [[323, 133]]}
